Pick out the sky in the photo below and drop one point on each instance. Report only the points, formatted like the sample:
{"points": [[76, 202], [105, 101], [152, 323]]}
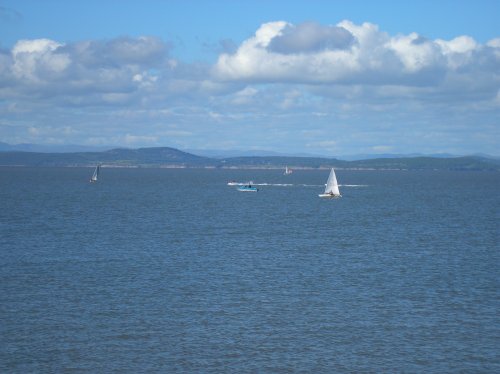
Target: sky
{"points": [[318, 77]]}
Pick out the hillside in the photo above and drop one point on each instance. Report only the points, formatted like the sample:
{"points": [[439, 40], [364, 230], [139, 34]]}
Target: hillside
{"points": [[144, 157], [171, 157], [410, 163]]}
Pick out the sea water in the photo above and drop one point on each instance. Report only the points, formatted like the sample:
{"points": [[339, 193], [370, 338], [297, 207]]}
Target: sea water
{"points": [[171, 270]]}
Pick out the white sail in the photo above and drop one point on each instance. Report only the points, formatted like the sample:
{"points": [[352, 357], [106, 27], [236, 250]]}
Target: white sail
{"points": [[332, 187], [96, 173]]}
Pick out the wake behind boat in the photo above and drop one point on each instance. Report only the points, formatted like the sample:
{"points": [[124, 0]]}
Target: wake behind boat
{"points": [[332, 187], [234, 183]]}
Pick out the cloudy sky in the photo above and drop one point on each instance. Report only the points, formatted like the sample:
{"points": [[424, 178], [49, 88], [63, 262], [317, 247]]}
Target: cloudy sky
{"points": [[318, 77]]}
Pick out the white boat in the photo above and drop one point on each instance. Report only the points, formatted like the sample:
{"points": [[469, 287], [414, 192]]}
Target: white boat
{"points": [[287, 171], [96, 173], [248, 188], [332, 187]]}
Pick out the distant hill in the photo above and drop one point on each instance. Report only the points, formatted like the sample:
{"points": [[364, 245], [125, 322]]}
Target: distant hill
{"points": [[221, 154], [171, 157], [406, 163], [369, 156], [430, 163], [145, 157], [224, 154]]}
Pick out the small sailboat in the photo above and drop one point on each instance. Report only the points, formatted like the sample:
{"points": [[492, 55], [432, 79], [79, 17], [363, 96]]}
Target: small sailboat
{"points": [[332, 187], [287, 171], [247, 188], [96, 173]]}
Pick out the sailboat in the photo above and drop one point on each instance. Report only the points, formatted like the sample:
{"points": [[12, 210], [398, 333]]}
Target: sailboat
{"points": [[287, 171], [332, 187], [96, 173]]}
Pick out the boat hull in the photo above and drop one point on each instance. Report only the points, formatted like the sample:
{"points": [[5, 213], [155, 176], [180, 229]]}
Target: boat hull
{"points": [[243, 189], [329, 196]]}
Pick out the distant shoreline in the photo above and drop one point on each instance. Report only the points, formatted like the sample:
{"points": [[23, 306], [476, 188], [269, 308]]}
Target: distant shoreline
{"points": [[171, 158], [322, 168]]}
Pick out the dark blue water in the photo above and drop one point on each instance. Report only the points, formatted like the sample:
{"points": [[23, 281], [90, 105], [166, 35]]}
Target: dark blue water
{"points": [[158, 270]]}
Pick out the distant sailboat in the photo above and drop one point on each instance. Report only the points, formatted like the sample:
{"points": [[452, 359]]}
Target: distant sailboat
{"points": [[96, 173], [287, 171], [332, 187]]}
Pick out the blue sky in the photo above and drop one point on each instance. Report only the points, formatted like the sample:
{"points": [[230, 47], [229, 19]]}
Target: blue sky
{"points": [[321, 77]]}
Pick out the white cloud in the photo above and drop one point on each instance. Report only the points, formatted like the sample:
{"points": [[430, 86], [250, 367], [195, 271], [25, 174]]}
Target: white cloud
{"points": [[245, 95], [33, 58], [312, 86], [310, 37], [364, 55], [35, 46], [459, 51], [416, 53], [76, 71], [254, 61], [461, 44]]}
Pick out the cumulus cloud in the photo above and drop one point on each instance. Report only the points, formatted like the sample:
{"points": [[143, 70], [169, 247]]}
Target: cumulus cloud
{"points": [[354, 56], [416, 53], [50, 68], [144, 51], [351, 54], [256, 59], [33, 59], [86, 83], [332, 84], [310, 37]]}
